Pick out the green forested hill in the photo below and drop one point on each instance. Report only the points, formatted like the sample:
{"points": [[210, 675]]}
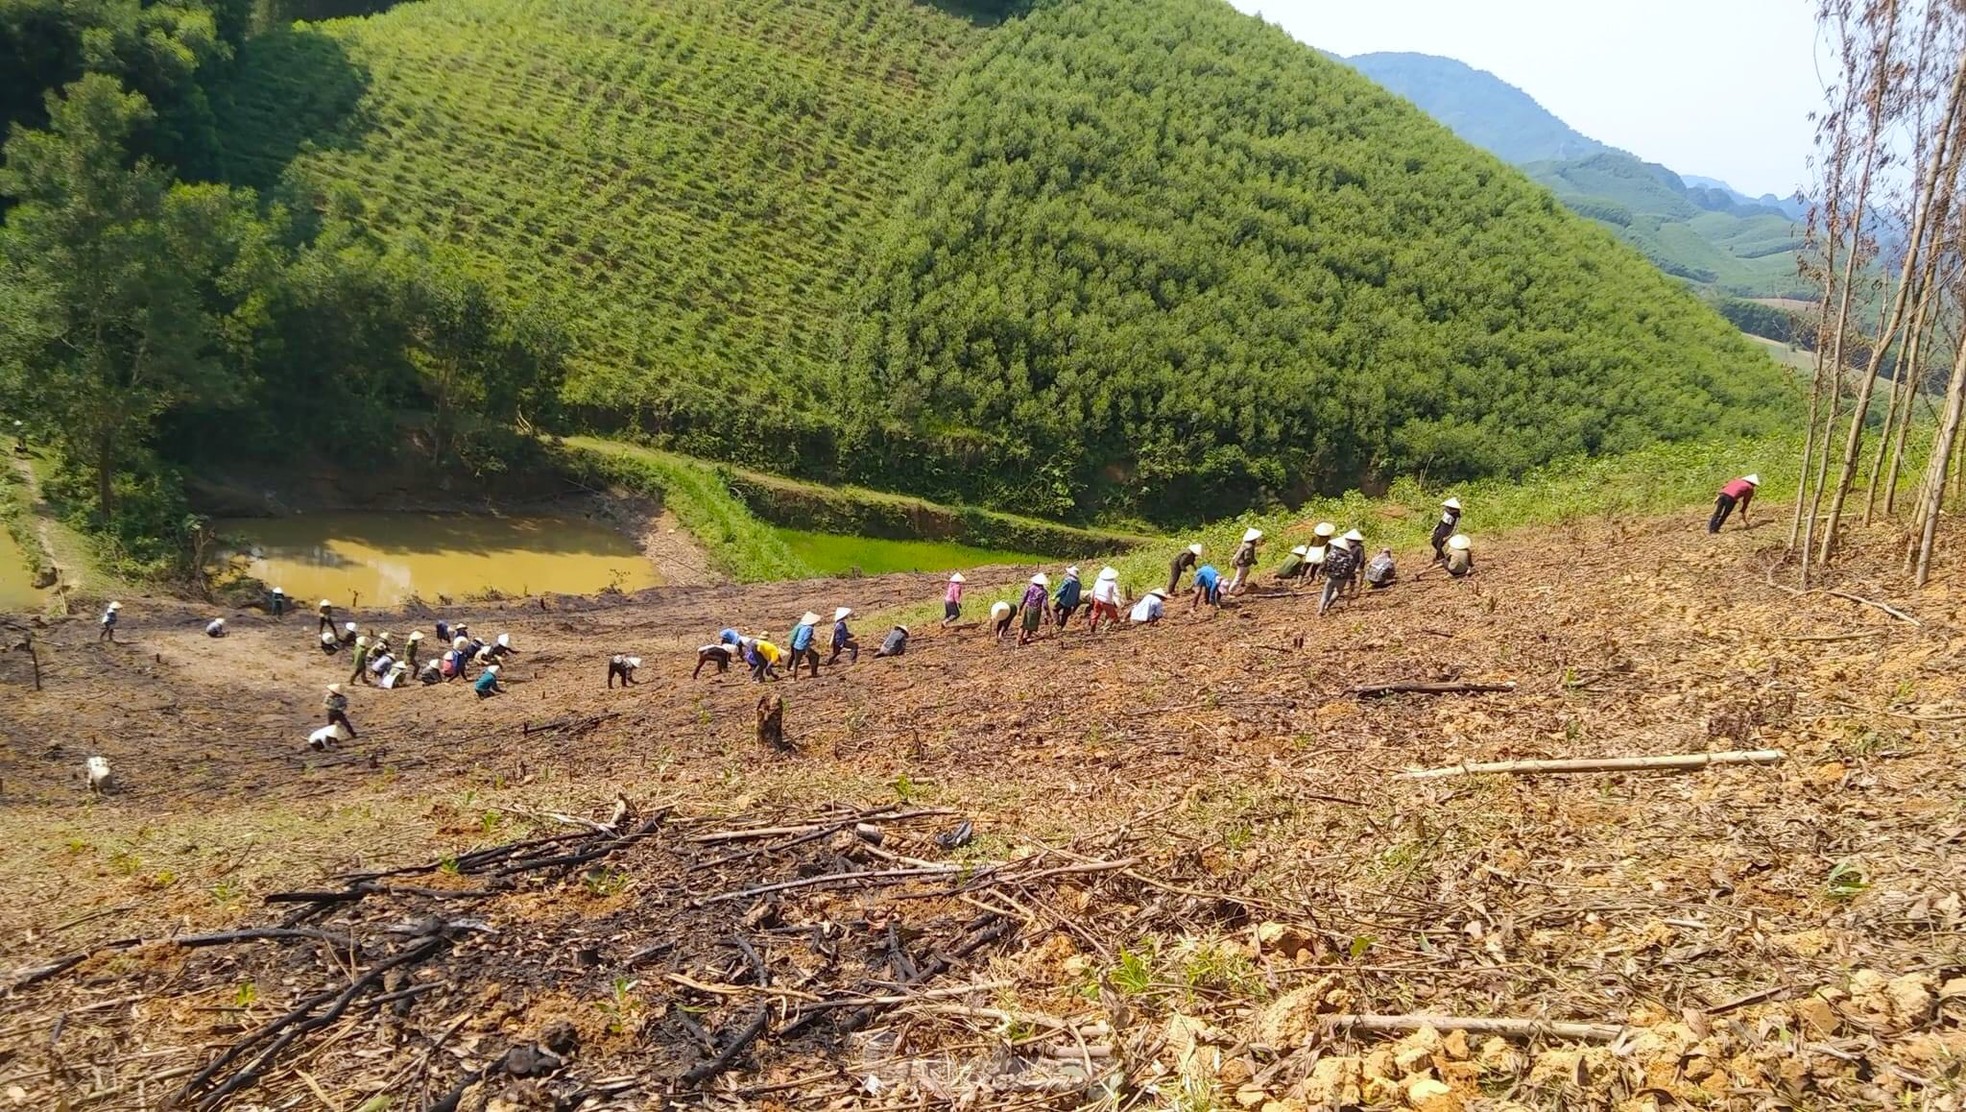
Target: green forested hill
{"points": [[683, 181], [1081, 258], [1160, 252]]}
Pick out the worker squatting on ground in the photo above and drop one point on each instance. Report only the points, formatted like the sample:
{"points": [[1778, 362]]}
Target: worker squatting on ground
{"points": [[1001, 614], [895, 643], [1151, 607], [843, 639], [1450, 518], [336, 704], [487, 684], [1066, 602], [108, 622], [276, 603], [1037, 602], [952, 599], [1244, 560], [326, 613], [1182, 562], [1208, 587], [410, 648], [215, 627], [1735, 494], [432, 672], [1380, 571], [763, 657], [804, 651], [1106, 598], [1292, 569], [1460, 556]]}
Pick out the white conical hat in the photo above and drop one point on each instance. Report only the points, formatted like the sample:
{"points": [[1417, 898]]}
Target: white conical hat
{"points": [[1751, 480], [504, 640], [957, 578], [808, 618], [279, 590], [218, 621], [1195, 548], [327, 637], [492, 668], [1452, 503], [361, 642], [350, 626], [416, 635], [1325, 529], [1301, 550], [1072, 571], [325, 602], [1158, 592], [1354, 536], [1109, 573], [1041, 580], [1252, 535], [1459, 541], [334, 689], [459, 643], [116, 606], [842, 613], [1341, 542]]}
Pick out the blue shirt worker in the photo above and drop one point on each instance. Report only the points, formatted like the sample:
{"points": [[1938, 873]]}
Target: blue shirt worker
{"points": [[843, 639], [1208, 587], [803, 650]]}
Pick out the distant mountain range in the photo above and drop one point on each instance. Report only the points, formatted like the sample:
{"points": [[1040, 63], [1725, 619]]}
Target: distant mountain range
{"points": [[1696, 228]]}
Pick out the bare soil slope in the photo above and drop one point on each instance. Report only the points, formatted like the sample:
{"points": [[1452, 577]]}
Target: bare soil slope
{"points": [[1190, 853]]}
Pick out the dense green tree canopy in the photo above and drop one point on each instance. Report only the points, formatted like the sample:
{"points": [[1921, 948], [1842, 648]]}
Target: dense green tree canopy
{"points": [[1161, 256]]}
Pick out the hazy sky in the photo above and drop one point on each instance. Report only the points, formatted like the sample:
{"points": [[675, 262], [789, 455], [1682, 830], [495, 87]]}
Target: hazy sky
{"points": [[1718, 88]]}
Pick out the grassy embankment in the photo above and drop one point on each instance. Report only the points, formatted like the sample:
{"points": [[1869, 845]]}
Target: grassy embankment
{"points": [[760, 527]]}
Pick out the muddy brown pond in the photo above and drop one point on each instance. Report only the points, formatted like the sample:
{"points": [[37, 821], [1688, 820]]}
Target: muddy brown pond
{"points": [[388, 557]]}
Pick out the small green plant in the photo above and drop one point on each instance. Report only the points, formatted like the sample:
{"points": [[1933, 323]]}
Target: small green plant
{"points": [[622, 1007], [1132, 974], [1360, 945], [1238, 838], [448, 865], [906, 789], [246, 995], [1846, 881], [490, 821], [605, 882], [226, 892]]}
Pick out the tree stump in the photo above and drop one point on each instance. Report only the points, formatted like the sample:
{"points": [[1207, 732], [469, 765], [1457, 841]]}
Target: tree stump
{"points": [[771, 721]]}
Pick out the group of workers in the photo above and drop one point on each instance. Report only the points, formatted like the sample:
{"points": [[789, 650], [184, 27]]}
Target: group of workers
{"points": [[1339, 559]]}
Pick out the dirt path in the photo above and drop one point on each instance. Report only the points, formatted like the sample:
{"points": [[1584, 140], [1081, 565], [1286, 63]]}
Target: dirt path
{"points": [[1218, 751]]}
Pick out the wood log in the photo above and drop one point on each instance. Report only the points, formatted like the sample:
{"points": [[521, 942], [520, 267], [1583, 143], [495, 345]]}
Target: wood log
{"points": [[771, 721], [1481, 1025], [1381, 690], [1600, 764]]}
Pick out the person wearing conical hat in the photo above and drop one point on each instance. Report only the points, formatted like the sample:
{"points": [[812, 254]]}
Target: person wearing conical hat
{"points": [[801, 640], [1736, 494], [348, 632], [410, 647], [276, 603], [336, 704], [1106, 597], [1293, 567], [1001, 615], [1151, 607], [1341, 562], [1460, 556], [108, 622], [623, 667], [487, 683], [361, 672], [215, 627], [326, 611], [952, 599], [1037, 601], [1070, 593], [1319, 548], [894, 644], [1357, 541], [843, 639], [1381, 571], [1182, 561], [1450, 518], [501, 647], [1244, 559]]}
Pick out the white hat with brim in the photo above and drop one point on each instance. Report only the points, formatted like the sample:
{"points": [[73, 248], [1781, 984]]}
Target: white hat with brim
{"points": [[350, 626], [1301, 550], [1452, 503], [1073, 570], [504, 640], [1252, 535], [1341, 542], [361, 642], [957, 578], [1195, 548], [632, 661], [1158, 592], [1751, 480], [492, 668], [1109, 574], [808, 618], [842, 613], [416, 635], [116, 606], [1041, 580], [334, 689], [1325, 529], [1459, 542], [218, 621], [325, 602], [1354, 536]]}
